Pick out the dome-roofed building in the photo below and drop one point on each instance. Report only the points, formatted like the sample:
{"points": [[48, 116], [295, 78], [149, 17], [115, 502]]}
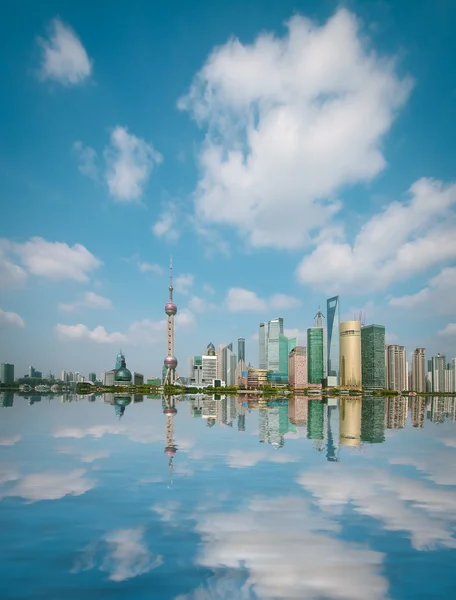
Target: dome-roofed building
{"points": [[210, 350], [123, 375]]}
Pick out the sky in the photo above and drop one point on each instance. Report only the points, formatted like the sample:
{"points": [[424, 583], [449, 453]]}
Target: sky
{"points": [[281, 152]]}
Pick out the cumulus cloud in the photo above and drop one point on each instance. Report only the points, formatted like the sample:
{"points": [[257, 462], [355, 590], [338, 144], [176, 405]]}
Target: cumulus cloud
{"points": [[87, 160], [146, 267], [166, 225], [10, 319], [439, 296], [54, 260], [64, 58], [290, 121], [182, 283], [129, 163], [402, 504], [448, 330], [404, 239], [10, 440], [12, 276], [240, 300], [50, 486], [287, 557], [208, 289], [89, 300], [82, 332], [200, 305]]}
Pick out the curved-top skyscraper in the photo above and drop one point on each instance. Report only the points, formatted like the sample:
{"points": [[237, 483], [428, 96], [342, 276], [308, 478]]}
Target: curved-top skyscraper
{"points": [[170, 361], [332, 347]]}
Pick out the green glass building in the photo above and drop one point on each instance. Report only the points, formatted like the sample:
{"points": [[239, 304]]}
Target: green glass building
{"points": [[315, 419], [373, 357], [315, 355]]}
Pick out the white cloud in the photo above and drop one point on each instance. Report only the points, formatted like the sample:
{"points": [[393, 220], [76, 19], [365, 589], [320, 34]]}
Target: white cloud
{"points": [[129, 163], [85, 457], [166, 225], [240, 299], [50, 486], [239, 459], [89, 300], [145, 267], [87, 160], [290, 121], [82, 332], [53, 260], [208, 289], [404, 239], [64, 57], [128, 555], [182, 283], [287, 557], [10, 440], [10, 318], [185, 320], [439, 296], [401, 504], [200, 305], [166, 511], [280, 301], [449, 330], [11, 275]]}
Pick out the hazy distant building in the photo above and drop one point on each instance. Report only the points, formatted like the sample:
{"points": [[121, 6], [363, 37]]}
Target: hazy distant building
{"points": [[438, 373], [92, 377], [315, 355], [332, 346], [350, 421], [418, 383], [6, 373], [396, 367], [275, 329], [241, 349], [297, 367], [263, 346], [373, 357], [350, 355]]}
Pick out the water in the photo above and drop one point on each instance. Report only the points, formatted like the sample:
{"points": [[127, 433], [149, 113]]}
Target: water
{"points": [[347, 499]]}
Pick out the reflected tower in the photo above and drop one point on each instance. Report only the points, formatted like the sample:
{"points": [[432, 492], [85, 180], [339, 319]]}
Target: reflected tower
{"points": [[170, 362], [350, 421], [170, 410]]}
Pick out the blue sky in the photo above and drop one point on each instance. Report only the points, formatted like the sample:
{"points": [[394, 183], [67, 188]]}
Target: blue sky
{"points": [[281, 152]]}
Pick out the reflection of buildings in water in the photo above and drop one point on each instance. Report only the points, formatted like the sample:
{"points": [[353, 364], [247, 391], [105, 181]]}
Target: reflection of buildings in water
{"points": [[34, 399], [350, 421], [121, 401], [316, 419], [6, 399], [298, 410], [241, 410], [138, 398], [273, 423], [373, 420], [209, 410], [170, 410], [68, 398], [196, 406], [417, 407], [333, 425], [108, 398], [396, 408], [442, 408]]}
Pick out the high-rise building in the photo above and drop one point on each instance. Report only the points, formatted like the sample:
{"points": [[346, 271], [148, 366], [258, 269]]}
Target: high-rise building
{"points": [[438, 373], [418, 383], [332, 346], [241, 349], [275, 329], [229, 363], [196, 370], [92, 377], [373, 357], [209, 365], [6, 373], [263, 346], [350, 421], [315, 355], [297, 367], [396, 367], [350, 355], [220, 361], [320, 321]]}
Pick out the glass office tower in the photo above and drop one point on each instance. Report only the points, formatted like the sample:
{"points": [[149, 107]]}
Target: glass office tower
{"points": [[373, 357], [275, 329], [241, 349], [263, 346], [315, 355], [333, 324]]}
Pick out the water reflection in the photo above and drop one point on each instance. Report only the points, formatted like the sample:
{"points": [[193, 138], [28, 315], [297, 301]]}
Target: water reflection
{"points": [[215, 496]]}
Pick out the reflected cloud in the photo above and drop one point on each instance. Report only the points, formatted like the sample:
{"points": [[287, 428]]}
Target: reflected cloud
{"points": [[85, 457], [440, 468], [96, 431], [128, 555], [286, 550], [401, 504], [8, 473], [10, 440], [51, 486], [166, 511], [237, 459]]}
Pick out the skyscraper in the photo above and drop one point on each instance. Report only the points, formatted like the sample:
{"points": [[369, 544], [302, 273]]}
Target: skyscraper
{"points": [[350, 355], [297, 367], [241, 349], [263, 346], [419, 370], [275, 328], [6, 373], [396, 367], [438, 373], [332, 346], [315, 355], [373, 357], [229, 363]]}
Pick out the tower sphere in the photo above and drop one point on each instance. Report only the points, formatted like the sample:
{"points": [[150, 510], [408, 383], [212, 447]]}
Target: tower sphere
{"points": [[170, 450], [170, 411], [170, 361], [170, 308]]}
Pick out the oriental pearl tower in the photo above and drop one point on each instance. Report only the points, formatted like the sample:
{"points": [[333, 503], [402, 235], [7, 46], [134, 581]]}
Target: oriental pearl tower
{"points": [[170, 309]]}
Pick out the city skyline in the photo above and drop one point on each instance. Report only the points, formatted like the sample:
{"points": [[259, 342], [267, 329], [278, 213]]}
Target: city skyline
{"points": [[338, 186]]}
